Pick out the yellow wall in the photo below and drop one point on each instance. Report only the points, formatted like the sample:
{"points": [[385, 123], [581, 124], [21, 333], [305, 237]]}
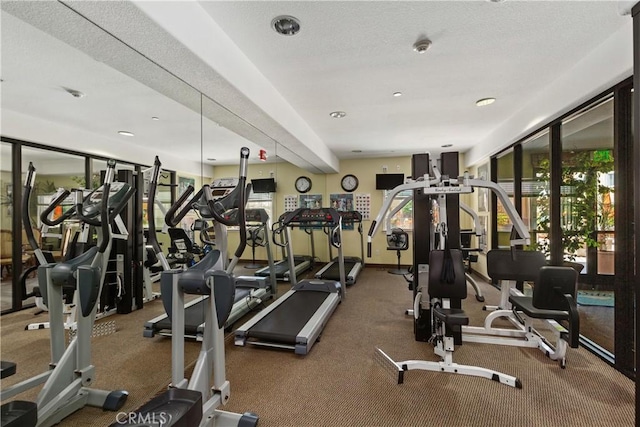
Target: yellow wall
{"points": [[326, 184]]}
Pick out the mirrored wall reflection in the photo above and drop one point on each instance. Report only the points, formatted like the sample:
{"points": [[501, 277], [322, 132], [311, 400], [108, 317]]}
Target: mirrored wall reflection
{"points": [[68, 84], [54, 170], [221, 159], [6, 234]]}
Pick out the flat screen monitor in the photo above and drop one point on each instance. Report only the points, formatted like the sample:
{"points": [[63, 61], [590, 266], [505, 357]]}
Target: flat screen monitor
{"points": [[264, 185], [389, 181]]}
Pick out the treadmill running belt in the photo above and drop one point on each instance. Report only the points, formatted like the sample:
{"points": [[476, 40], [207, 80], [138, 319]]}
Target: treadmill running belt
{"points": [[195, 314], [283, 324], [333, 272], [282, 267]]}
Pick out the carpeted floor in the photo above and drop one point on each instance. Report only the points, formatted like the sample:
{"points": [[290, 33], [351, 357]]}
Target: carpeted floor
{"points": [[340, 384]]}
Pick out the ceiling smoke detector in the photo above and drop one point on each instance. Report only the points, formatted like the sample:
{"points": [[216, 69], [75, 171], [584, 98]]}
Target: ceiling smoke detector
{"points": [[421, 46], [74, 93], [286, 25]]}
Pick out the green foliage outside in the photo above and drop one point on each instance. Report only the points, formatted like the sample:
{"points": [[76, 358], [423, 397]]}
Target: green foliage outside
{"points": [[585, 203]]}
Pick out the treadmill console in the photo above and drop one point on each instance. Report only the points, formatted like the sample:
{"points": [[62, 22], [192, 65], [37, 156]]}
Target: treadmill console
{"points": [[349, 217], [306, 216], [251, 215]]}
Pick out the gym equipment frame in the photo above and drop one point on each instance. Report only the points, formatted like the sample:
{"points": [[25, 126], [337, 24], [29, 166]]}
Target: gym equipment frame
{"points": [[67, 386]]}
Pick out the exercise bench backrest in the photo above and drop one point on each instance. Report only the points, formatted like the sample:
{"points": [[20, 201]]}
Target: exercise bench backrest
{"points": [[519, 265], [439, 288], [554, 282]]}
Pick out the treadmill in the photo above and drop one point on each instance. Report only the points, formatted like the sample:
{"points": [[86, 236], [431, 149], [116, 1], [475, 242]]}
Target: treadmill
{"points": [[296, 320], [352, 265], [301, 263], [250, 291]]}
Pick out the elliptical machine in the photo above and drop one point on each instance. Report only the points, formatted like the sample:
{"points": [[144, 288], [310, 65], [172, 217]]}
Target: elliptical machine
{"points": [[66, 387], [195, 401]]}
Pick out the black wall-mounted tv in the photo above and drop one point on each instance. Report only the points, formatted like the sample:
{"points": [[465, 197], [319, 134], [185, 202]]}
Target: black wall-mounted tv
{"points": [[388, 181], [264, 185]]}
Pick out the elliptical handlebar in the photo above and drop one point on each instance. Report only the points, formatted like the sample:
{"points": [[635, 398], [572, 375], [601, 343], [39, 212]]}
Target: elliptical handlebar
{"points": [[26, 195], [152, 240], [237, 197], [104, 217], [171, 218], [107, 214], [44, 216]]}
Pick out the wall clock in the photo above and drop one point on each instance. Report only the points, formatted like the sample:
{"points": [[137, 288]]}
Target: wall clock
{"points": [[349, 182], [303, 184]]}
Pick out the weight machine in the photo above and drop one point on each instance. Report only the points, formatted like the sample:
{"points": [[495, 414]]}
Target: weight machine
{"points": [[437, 301], [399, 239]]}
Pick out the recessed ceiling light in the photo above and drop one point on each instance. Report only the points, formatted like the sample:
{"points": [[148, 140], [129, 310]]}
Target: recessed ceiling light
{"points": [[155, 118], [485, 101], [125, 133], [446, 145], [397, 94], [338, 114], [286, 25]]}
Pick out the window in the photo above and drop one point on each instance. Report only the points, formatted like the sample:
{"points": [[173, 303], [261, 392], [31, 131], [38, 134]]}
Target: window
{"points": [[402, 210], [262, 201]]}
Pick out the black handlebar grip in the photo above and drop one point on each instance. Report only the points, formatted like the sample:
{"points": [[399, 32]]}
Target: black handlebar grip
{"points": [[368, 249], [372, 227], [170, 218], [26, 195], [152, 240], [58, 200], [104, 217]]}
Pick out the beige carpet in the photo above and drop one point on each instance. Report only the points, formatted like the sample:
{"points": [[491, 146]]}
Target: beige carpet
{"points": [[340, 384]]}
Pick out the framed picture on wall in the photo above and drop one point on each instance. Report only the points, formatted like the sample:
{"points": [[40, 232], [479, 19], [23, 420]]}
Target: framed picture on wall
{"points": [[183, 183], [483, 193]]}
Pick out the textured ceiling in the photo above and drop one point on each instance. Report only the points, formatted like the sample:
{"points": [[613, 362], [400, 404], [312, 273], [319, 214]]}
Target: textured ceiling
{"points": [[137, 60]]}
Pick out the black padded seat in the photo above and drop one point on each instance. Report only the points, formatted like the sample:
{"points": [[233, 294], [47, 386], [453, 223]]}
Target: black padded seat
{"points": [[554, 298], [63, 274], [451, 316], [194, 280], [525, 304]]}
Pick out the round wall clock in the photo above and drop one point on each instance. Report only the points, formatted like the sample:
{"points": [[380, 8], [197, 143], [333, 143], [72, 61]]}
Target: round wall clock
{"points": [[303, 184], [349, 182]]}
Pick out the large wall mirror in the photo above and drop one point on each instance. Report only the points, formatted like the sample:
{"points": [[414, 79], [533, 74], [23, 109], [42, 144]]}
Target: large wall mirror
{"points": [[74, 95]]}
